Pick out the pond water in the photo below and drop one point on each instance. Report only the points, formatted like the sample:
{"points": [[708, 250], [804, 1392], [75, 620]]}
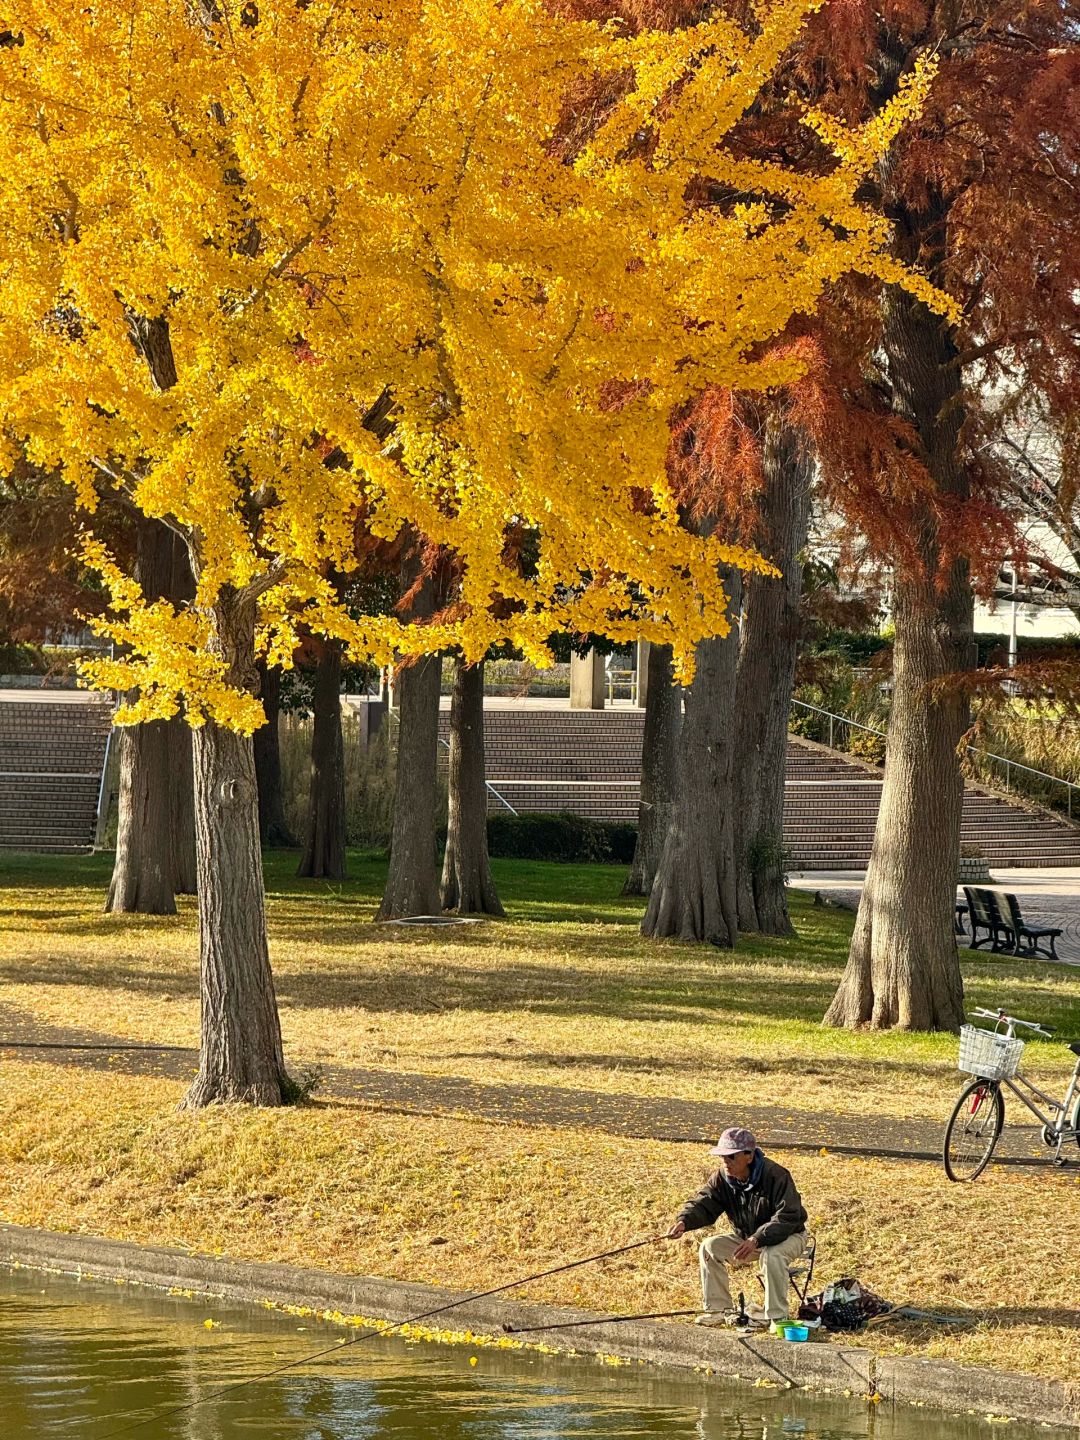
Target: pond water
{"points": [[85, 1360]]}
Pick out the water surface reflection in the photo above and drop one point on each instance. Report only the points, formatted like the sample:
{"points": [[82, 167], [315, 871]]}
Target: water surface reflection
{"points": [[87, 1360]]}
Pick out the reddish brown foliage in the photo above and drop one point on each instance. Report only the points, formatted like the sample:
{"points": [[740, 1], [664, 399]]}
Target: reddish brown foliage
{"points": [[984, 194], [44, 587]]}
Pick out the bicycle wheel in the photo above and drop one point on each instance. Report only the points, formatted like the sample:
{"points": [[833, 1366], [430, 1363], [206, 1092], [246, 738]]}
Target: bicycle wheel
{"points": [[1074, 1123], [973, 1130]]}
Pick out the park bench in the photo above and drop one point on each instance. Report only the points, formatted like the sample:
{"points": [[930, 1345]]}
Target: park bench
{"points": [[1026, 938], [1003, 927], [986, 920]]}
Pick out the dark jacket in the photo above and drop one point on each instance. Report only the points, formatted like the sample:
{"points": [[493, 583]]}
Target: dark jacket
{"points": [[766, 1209]]}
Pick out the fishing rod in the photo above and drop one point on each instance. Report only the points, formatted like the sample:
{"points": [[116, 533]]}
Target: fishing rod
{"points": [[344, 1344], [606, 1320]]}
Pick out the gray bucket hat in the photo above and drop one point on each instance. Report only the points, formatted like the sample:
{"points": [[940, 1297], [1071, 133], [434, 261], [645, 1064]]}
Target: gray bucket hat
{"points": [[734, 1140]]}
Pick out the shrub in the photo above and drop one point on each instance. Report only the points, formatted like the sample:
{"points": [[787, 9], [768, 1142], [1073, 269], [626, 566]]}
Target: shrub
{"points": [[19, 659], [768, 855], [867, 746], [369, 780], [571, 839]]}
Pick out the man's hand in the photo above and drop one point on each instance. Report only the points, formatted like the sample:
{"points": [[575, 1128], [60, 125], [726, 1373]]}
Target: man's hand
{"points": [[676, 1230], [746, 1252]]}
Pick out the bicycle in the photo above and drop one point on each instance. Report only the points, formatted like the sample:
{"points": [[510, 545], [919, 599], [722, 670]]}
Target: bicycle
{"points": [[993, 1057]]}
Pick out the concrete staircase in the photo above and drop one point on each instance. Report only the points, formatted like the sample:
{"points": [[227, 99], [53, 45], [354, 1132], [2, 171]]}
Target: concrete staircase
{"points": [[52, 750], [584, 761], [588, 762], [831, 806]]}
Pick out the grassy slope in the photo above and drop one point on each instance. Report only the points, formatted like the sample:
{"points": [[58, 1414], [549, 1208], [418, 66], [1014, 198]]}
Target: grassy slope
{"points": [[565, 992], [577, 999]]}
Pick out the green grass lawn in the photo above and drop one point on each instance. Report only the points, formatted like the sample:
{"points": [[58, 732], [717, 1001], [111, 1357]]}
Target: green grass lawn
{"points": [[564, 991]]}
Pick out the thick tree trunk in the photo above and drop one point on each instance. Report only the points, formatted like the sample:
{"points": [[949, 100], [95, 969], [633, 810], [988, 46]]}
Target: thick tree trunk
{"points": [[467, 884], [659, 770], [903, 969], [142, 878], [273, 827], [324, 844], [693, 895], [181, 771], [766, 678], [412, 886], [182, 808], [240, 1055]]}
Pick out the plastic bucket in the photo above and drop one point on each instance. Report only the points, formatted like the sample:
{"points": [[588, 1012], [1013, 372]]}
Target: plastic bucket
{"points": [[796, 1333]]}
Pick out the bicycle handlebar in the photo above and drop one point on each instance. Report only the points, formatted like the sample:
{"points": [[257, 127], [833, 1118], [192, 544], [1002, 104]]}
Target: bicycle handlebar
{"points": [[1001, 1016]]}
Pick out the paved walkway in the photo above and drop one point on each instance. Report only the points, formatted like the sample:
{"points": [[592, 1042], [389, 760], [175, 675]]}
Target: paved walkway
{"points": [[545, 1106], [1047, 897]]}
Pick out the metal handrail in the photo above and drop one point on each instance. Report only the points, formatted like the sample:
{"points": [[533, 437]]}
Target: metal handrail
{"points": [[830, 715], [623, 677], [103, 794], [487, 783]]}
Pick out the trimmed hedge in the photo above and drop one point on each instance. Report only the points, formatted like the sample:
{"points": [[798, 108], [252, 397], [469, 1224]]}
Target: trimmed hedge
{"points": [[568, 838]]}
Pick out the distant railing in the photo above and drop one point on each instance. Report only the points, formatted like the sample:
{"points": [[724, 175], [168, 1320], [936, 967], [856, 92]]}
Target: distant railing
{"points": [[624, 679], [487, 783], [101, 811], [978, 756]]}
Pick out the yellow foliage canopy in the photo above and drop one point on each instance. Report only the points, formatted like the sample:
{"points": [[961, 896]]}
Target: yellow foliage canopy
{"points": [[228, 228]]}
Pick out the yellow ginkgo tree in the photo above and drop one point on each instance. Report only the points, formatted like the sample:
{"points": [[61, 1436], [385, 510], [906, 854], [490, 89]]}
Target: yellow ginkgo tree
{"points": [[242, 238]]}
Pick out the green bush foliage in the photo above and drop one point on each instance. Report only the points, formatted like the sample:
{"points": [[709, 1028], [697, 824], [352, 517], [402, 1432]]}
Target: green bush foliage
{"points": [[571, 839]]}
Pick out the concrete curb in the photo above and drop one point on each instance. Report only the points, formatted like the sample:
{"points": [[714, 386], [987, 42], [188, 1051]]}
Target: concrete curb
{"points": [[832, 1368]]}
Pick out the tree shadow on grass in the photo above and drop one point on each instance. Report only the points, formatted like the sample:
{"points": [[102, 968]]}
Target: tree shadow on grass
{"points": [[178, 984], [1010, 1318], [450, 984], [741, 1064], [444, 984], [455, 974], [1013, 1316]]}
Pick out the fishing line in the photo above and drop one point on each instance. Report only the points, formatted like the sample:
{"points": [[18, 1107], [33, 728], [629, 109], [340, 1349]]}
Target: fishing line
{"points": [[368, 1335], [607, 1320]]}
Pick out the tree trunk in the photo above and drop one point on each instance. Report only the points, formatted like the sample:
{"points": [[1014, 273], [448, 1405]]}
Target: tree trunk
{"points": [[240, 1055], [324, 845], [467, 884], [659, 769], [273, 827], [182, 808], [412, 886], [181, 772], [693, 896], [903, 969], [766, 679], [142, 878]]}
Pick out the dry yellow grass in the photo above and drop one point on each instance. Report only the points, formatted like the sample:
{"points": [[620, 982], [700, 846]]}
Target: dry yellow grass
{"points": [[336, 1187], [565, 993]]}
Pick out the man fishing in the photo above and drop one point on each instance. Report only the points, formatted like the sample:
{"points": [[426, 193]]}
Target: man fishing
{"points": [[762, 1206]]}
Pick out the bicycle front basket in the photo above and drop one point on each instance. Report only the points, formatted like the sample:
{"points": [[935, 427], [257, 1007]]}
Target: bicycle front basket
{"points": [[987, 1054]]}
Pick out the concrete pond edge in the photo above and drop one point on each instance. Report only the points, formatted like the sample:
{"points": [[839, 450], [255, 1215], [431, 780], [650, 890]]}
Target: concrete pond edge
{"points": [[831, 1369]]}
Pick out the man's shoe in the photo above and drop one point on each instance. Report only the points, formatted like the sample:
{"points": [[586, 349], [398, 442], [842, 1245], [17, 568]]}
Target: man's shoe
{"points": [[717, 1318]]}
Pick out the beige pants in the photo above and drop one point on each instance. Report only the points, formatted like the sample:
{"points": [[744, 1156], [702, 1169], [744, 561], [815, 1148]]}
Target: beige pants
{"points": [[773, 1262]]}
